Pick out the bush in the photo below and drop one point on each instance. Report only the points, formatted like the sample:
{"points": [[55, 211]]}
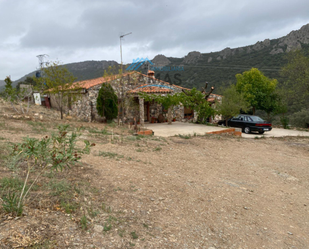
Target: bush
{"points": [[107, 102], [285, 122], [300, 119], [54, 153]]}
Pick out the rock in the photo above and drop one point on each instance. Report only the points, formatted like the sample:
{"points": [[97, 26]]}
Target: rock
{"points": [[98, 228], [160, 61], [192, 57], [276, 51]]}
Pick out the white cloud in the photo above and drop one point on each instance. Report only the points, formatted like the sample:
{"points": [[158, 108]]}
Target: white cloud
{"points": [[78, 30]]}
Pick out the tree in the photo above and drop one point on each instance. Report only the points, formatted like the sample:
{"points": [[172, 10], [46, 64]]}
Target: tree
{"points": [[17, 97], [296, 73], [256, 88], [198, 101], [118, 84], [59, 82], [232, 103], [107, 102]]}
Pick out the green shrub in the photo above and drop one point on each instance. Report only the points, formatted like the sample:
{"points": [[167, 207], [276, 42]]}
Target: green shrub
{"points": [[300, 119], [10, 204], [107, 102], [54, 153], [284, 122]]}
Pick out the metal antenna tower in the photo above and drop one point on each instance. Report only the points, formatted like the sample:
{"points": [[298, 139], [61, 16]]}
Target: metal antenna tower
{"points": [[41, 58]]}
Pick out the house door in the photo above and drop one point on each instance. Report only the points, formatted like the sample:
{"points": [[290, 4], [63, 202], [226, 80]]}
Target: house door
{"points": [[146, 112]]}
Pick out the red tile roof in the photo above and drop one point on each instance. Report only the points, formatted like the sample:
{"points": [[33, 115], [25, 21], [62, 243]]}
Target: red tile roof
{"points": [[151, 89], [86, 84]]}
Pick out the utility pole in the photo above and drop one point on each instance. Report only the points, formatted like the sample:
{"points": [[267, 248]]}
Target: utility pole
{"points": [[121, 46], [121, 80]]}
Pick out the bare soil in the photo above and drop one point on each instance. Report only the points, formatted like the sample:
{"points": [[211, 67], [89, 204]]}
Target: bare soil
{"points": [[151, 192]]}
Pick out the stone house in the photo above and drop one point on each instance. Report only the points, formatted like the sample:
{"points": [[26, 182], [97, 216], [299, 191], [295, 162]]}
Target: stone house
{"points": [[127, 87]]}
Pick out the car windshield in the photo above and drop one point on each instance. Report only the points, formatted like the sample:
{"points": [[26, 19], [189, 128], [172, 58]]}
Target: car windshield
{"points": [[256, 119]]}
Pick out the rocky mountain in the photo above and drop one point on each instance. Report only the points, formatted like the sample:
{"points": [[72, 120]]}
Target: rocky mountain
{"points": [[217, 68], [220, 68]]}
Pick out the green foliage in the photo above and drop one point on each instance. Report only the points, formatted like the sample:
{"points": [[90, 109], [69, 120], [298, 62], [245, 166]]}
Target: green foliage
{"points": [[107, 102], [167, 101], [9, 187], [59, 82], [158, 149], [10, 204], [9, 184], [258, 90], [185, 136], [232, 103], [110, 154], [16, 97], [297, 83], [92, 213], [285, 122], [56, 153], [195, 100], [68, 207], [59, 187], [300, 119], [84, 222], [107, 227], [134, 235]]}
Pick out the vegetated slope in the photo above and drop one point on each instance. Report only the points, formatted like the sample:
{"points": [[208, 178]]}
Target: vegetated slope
{"points": [[81, 70], [218, 68]]}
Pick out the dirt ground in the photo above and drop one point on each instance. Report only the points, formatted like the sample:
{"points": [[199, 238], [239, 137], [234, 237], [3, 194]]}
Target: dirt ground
{"points": [[179, 192]]}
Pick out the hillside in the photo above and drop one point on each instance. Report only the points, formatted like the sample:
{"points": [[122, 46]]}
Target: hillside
{"points": [[81, 70], [217, 68]]}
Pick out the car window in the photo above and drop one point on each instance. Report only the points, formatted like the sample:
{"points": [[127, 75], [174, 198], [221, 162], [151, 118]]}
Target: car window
{"points": [[256, 119]]}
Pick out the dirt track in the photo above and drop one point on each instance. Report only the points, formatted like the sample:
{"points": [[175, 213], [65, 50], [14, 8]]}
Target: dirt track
{"points": [[221, 192]]}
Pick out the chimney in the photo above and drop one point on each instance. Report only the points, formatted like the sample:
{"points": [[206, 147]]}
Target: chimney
{"points": [[151, 74]]}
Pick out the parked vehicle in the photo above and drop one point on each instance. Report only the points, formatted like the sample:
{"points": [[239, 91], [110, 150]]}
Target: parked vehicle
{"points": [[248, 123]]}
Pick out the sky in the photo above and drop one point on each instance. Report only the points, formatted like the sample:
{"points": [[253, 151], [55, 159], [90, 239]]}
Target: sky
{"points": [[80, 30]]}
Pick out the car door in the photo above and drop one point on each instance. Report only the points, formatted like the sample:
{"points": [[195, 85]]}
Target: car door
{"points": [[235, 122]]}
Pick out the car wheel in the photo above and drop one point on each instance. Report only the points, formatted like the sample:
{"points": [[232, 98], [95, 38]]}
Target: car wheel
{"points": [[261, 132], [247, 130]]}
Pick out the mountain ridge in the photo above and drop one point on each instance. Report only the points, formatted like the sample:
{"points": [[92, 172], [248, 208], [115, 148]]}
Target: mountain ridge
{"points": [[218, 68]]}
